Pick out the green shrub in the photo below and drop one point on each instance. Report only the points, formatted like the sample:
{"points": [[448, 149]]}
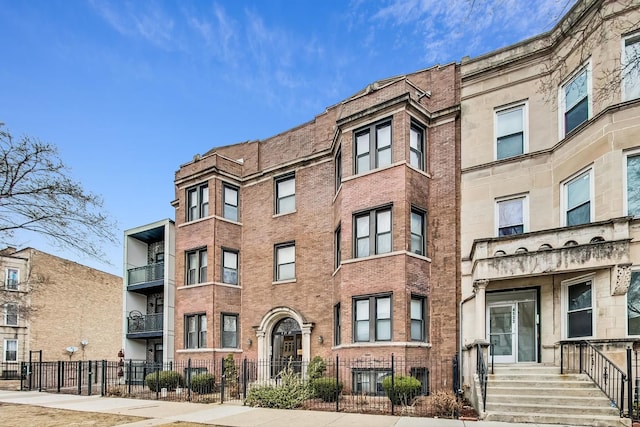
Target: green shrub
{"points": [[290, 394], [166, 379], [203, 383], [230, 370], [404, 389], [326, 388], [316, 368]]}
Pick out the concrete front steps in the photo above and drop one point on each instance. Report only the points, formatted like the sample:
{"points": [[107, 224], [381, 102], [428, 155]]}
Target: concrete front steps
{"points": [[539, 394]]}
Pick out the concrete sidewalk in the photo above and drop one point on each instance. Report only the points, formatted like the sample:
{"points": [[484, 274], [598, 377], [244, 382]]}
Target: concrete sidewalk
{"points": [[160, 412]]}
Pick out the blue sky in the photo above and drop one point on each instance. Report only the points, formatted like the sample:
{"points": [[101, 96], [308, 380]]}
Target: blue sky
{"points": [[130, 90]]}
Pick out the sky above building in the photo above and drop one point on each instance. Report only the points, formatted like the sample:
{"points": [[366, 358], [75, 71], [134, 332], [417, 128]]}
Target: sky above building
{"points": [[130, 90]]}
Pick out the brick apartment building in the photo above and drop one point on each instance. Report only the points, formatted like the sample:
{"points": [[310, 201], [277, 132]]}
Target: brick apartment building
{"points": [[337, 237], [51, 304]]}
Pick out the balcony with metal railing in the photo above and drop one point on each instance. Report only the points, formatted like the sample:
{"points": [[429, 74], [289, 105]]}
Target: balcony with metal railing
{"points": [[146, 279], [144, 325]]}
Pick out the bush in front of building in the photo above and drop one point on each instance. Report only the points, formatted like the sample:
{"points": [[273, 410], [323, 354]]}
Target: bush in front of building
{"points": [[327, 389], [289, 394], [203, 383], [170, 380], [404, 389], [316, 368]]}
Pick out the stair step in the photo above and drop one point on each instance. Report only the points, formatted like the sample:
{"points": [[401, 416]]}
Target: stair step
{"points": [[597, 400], [493, 390], [529, 408], [533, 375], [544, 418], [533, 383]]}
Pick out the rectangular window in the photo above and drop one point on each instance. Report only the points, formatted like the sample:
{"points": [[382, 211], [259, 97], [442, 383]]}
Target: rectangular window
{"points": [[229, 266], [338, 169], [511, 214], [418, 232], [196, 266], [230, 208], [416, 146], [579, 310], [197, 202], [195, 331], [633, 305], [633, 185], [285, 261], [373, 146], [286, 194], [229, 331], [11, 315], [337, 244], [575, 100], [12, 279], [418, 330], [372, 319], [336, 325], [510, 132], [630, 68], [577, 193], [10, 350], [369, 381], [373, 232]]}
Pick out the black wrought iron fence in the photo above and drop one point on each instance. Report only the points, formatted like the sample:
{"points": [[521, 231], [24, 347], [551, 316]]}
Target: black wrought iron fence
{"points": [[421, 386]]}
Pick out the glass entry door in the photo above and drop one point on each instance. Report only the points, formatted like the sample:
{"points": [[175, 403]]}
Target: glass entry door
{"points": [[502, 319], [512, 327]]}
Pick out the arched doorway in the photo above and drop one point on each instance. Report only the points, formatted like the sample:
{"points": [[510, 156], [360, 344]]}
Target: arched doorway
{"points": [[286, 345]]}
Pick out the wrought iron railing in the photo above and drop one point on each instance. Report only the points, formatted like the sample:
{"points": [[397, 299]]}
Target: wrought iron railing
{"points": [[147, 273], [144, 323], [584, 357], [483, 372]]}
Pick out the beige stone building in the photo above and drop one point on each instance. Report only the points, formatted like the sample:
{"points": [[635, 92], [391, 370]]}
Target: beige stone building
{"points": [[54, 305], [550, 192]]}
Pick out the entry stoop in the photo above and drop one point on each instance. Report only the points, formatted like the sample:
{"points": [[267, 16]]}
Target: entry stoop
{"points": [[540, 394]]}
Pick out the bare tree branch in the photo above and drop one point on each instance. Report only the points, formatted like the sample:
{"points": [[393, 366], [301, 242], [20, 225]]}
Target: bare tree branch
{"points": [[37, 195]]}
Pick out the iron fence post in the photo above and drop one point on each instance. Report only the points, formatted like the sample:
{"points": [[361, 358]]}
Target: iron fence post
{"points": [[89, 378], [157, 382], [189, 380], [79, 377], [103, 378], [580, 356], [59, 375], [129, 377], [393, 387], [244, 378], [337, 386], [492, 356], [40, 370], [222, 380], [561, 358], [629, 384]]}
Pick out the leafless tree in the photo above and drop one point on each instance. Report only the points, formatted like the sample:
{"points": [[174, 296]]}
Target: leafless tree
{"points": [[38, 195]]}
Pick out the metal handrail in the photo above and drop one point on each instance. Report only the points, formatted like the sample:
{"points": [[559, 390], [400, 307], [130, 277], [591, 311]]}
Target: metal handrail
{"points": [[145, 323], [603, 372], [146, 273], [482, 371]]}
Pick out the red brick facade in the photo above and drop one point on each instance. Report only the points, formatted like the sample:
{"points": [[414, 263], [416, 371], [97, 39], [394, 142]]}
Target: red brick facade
{"points": [[309, 153]]}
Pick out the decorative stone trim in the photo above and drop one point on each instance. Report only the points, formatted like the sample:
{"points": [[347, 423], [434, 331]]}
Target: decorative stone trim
{"points": [[621, 279]]}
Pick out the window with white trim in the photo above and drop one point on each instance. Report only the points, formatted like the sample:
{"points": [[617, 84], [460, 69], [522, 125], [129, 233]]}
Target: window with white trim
{"points": [[12, 278], [230, 266], [575, 100], [373, 232], [230, 203], [578, 308], [633, 184], [418, 324], [285, 194], [338, 169], [10, 353], [416, 146], [418, 231], [196, 266], [577, 193], [337, 338], [372, 318], [229, 330], [511, 216], [373, 146], [198, 202], [195, 335], [338, 247], [633, 305], [510, 131], [11, 314], [285, 255], [631, 67]]}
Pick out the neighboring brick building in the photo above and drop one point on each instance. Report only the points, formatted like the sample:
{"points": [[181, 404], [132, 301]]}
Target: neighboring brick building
{"points": [[337, 237], [51, 303]]}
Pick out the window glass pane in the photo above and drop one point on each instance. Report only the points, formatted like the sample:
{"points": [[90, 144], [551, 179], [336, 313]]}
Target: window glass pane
{"points": [[416, 330], [577, 115], [231, 196], [384, 136], [362, 144], [509, 146], [630, 70], [363, 163], [415, 139], [383, 330], [231, 212], [362, 226], [579, 296], [416, 223], [579, 215], [509, 122], [362, 331], [230, 259], [414, 159], [579, 324], [286, 271], [383, 221], [362, 310], [286, 187], [633, 304], [287, 204], [230, 323], [578, 191], [363, 247], [633, 185], [384, 157], [416, 244], [510, 212], [383, 308], [575, 90], [286, 254], [204, 201], [416, 309], [383, 243]]}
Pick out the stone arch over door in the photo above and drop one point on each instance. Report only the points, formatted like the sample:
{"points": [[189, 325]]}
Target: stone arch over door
{"points": [[265, 331]]}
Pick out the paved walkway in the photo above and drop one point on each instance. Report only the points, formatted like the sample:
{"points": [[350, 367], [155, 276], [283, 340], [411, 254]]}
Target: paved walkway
{"points": [[160, 412]]}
